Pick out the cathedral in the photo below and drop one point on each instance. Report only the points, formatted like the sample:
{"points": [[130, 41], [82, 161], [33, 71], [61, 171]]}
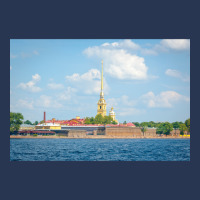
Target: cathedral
{"points": [[101, 105]]}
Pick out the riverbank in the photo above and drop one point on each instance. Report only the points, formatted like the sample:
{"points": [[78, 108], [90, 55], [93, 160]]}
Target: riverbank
{"points": [[94, 137]]}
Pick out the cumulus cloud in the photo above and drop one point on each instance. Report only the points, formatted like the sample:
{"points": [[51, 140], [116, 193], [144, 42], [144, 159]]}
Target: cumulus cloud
{"points": [[130, 111], [118, 62], [35, 52], [13, 56], [176, 44], [123, 100], [177, 74], [124, 44], [47, 102], [25, 104], [31, 85], [164, 99], [24, 54], [67, 94], [55, 86], [89, 82]]}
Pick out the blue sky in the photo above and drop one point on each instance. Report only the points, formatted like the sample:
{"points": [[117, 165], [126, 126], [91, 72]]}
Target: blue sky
{"points": [[144, 79]]}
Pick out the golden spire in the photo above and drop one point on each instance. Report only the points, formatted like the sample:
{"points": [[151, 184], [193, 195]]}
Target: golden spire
{"points": [[102, 77]]}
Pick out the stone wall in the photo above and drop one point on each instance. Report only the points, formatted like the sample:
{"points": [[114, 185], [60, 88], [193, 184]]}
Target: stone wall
{"points": [[175, 132], [77, 133], [123, 131], [150, 132]]}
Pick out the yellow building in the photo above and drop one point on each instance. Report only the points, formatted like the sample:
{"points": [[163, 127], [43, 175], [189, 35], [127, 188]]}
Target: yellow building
{"points": [[112, 114], [101, 105], [48, 126]]}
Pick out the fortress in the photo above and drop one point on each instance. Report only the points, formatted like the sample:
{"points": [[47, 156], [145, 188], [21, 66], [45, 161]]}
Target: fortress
{"points": [[76, 128]]}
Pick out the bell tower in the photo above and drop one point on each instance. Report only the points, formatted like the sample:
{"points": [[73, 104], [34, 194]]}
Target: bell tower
{"points": [[101, 105]]}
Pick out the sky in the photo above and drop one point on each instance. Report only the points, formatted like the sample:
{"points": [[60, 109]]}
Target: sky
{"points": [[144, 79]]}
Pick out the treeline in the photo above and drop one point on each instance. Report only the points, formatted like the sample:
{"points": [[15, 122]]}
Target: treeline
{"points": [[30, 123], [165, 127], [16, 119], [99, 119]]}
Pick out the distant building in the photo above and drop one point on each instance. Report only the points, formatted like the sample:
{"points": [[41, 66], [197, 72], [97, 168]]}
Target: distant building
{"points": [[26, 127]]}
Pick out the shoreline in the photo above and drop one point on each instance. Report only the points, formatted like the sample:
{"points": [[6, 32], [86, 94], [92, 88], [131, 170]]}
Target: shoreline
{"points": [[94, 137]]}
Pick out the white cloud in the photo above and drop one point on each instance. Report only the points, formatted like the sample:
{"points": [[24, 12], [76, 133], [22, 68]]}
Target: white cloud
{"points": [[130, 111], [25, 104], [47, 102], [13, 56], [55, 86], [124, 44], [123, 100], [30, 86], [177, 74], [10, 67], [89, 82], [24, 54], [176, 44], [119, 63], [164, 99], [67, 94], [35, 52]]}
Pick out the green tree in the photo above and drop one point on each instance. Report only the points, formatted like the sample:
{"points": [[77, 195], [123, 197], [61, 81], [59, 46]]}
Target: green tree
{"points": [[164, 128], [28, 122], [87, 120], [124, 122], [92, 120], [187, 123], [98, 119], [144, 124], [42, 122], [107, 120], [15, 121], [35, 123], [114, 122], [137, 124], [175, 125], [144, 129], [183, 128]]}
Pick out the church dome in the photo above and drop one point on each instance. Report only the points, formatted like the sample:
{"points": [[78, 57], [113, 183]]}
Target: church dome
{"points": [[112, 112]]}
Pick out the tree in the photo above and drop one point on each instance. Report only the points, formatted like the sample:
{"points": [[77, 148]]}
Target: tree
{"points": [[98, 119], [144, 124], [137, 124], [175, 125], [183, 128], [187, 123], [124, 122], [144, 129], [42, 122], [164, 128], [28, 122], [87, 120], [107, 120], [15, 121], [114, 122], [35, 123]]}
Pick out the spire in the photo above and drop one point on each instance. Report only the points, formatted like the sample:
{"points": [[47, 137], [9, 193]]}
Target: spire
{"points": [[101, 93], [102, 77]]}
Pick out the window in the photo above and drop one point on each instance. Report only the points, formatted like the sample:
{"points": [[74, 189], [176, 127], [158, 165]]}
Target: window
{"points": [[100, 107]]}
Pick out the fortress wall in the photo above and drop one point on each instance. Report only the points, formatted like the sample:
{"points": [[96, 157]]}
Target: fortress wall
{"points": [[123, 131], [175, 132], [150, 132], [77, 133]]}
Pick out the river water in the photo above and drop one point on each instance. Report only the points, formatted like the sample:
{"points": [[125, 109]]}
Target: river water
{"points": [[100, 149]]}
